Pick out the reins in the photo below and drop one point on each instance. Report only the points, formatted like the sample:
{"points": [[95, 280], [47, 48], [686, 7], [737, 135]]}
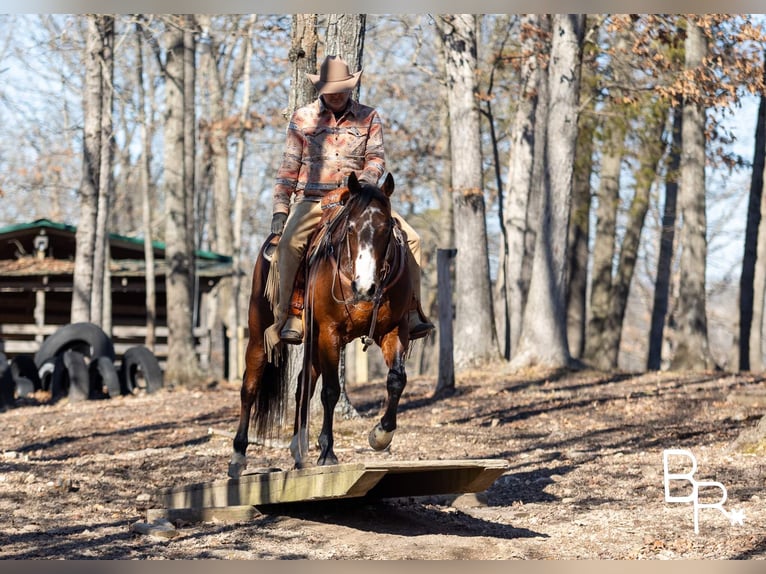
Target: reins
{"points": [[392, 261]]}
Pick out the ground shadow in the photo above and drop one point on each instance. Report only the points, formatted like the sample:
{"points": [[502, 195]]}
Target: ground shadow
{"points": [[403, 517]]}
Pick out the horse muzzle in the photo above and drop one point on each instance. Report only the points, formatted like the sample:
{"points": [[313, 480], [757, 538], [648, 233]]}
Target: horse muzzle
{"points": [[363, 292]]}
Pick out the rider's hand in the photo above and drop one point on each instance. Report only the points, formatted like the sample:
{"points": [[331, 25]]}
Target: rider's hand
{"points": [[278, 223]]}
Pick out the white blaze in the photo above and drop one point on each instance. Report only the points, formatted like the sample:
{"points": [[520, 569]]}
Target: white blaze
{"points": [[364, 267]]}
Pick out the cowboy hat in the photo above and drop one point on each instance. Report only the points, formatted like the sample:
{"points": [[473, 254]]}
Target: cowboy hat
{"points": [[334, 76]]}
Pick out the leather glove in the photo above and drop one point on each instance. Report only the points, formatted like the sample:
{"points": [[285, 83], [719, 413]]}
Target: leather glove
{"points": [[278, 223]]}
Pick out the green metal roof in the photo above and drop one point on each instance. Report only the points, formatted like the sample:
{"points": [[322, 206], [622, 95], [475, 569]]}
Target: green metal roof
{"points": [[65, 227]]}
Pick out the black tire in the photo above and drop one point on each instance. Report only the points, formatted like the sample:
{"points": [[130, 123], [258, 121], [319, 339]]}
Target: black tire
{"points": [[45, 373], [58, 379], [86, 338], [140, 360], [77, 373], [24, 370], [103, 378], [24, 387], [7, 386]]}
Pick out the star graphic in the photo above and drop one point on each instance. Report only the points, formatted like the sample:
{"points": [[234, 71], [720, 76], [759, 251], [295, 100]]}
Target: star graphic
{"points": [[737, 516]]}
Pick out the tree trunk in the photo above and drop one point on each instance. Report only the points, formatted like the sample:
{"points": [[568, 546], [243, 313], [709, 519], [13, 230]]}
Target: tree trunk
{"points": [[667, 237], [91, 164], [652, 148], [303, 60], [474, 326], [190, 148], [692, 352], [238, 273], [216, 136], [519, 185], [746, 288], [543, 339], [579, 231], [605, 240], [105, 26], [345, 38], [755, 351], [146, 192], [182, 364]]}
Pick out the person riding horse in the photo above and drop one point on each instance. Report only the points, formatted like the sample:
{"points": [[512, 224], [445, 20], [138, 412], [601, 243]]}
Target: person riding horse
{"points": [[327, 140]]}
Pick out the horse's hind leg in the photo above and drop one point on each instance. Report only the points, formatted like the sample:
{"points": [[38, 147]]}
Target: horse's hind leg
{"points": [[255, 363], [393, 353]]}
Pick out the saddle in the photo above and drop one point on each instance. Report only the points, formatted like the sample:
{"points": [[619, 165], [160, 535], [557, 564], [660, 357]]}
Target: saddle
{"points": [[332, 205]]}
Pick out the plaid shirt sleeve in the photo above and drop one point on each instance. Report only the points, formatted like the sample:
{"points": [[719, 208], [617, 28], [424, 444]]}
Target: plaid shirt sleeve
{"points": [[374, 157], [287, 174]]}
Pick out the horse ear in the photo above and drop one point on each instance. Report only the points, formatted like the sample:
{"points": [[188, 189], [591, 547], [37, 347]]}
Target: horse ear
{"points": [[388, 185], [353, 182]]}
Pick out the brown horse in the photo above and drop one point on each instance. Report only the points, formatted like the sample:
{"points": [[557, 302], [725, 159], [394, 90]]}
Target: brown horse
{"points": [[357, 285]]}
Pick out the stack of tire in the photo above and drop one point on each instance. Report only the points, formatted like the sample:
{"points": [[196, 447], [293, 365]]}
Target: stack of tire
{"points": [[78, 361]]}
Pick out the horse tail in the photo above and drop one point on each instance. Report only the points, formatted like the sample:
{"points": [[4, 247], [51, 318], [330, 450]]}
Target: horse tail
{"points": [[272, 370], [271, 401]]}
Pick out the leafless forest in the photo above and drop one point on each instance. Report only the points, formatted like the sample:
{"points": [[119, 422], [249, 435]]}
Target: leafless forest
{"points": [[589, 169]]}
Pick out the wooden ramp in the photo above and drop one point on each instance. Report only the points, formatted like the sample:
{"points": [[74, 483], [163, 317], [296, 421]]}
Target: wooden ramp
{"points": [[236, 498]]}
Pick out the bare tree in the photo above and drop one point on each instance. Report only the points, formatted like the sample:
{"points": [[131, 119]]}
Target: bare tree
{"points": [[101, 279], [667, 236], [519, 187], [652, 149], [95, 185], [605, 238], [474, 322], [146, 186], [693, 352], [579, 218], [543, 339], [182, 365], [345, 38], [303, 60], [755, 341], [752, 236]]}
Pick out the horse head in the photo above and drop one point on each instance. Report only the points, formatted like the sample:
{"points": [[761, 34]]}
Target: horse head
{"points": [[368, 236]]}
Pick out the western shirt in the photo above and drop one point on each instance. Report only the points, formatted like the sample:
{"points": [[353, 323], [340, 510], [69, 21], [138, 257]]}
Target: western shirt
{"points": [[321, 151]]}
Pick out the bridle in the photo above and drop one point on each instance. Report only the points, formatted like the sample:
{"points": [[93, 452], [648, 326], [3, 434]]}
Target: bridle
{"points": [[391, 272]]}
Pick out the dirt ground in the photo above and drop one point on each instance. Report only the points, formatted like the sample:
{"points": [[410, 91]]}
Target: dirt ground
{"points": [[585, 476]]}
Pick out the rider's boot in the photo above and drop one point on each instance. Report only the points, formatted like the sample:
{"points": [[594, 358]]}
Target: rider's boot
{"points": [[419, 325], [292, 332], [286, 326]]}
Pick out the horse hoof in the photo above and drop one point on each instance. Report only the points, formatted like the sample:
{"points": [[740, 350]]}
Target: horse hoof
{"points": [[379, 438], [328, 460], [237, 464]]}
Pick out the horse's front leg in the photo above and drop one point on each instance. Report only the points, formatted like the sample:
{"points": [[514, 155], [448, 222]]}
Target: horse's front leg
{"points": [[328, 355], [393, 353], [299, 445]]}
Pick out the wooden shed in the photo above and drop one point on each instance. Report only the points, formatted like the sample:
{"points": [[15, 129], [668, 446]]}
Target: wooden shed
{"points": [[36, 278]]}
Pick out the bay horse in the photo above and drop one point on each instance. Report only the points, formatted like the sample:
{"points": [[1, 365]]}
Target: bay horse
{"points": [[357, 285]]}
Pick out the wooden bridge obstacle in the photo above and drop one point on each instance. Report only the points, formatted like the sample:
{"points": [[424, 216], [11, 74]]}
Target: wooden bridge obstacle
{"points": [[237, 499]]}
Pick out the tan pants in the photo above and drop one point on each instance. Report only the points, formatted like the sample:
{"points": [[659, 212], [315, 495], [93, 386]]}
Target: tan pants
{"points": [[303, 219]]}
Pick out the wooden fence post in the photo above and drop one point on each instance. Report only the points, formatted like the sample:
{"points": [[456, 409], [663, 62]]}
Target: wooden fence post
{"points": [[445, 384]]}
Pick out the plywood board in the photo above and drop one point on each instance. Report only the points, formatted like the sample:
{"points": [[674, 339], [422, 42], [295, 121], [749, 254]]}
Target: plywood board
{"points": [[349, 480]]}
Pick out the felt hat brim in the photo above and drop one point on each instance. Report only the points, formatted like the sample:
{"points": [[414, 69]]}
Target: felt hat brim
{"points": [[334, 86]]}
